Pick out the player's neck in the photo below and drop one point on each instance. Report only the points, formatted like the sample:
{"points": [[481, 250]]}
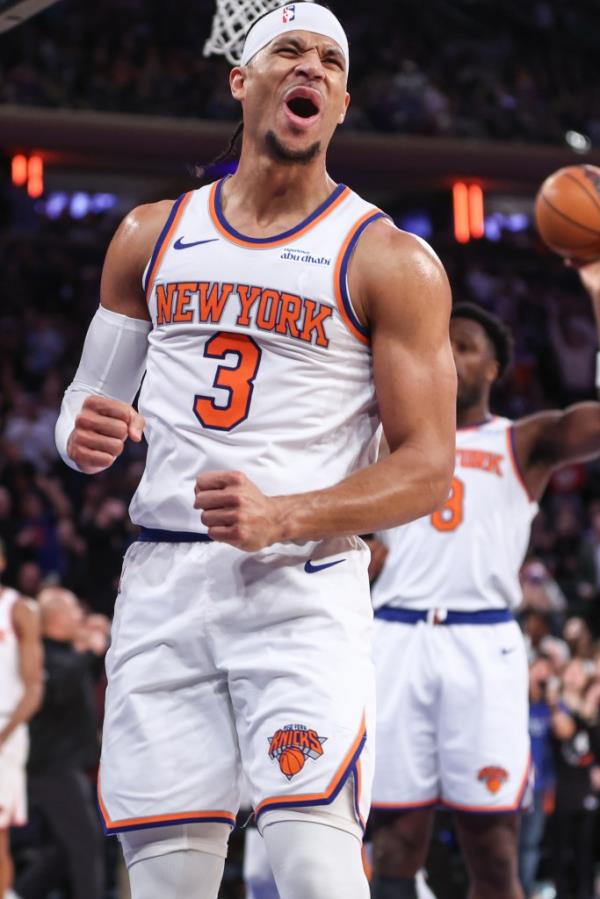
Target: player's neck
{"points": [[263, 189], [473, 416]]}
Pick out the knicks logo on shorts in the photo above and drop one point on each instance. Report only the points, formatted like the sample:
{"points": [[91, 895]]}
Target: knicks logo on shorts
{"points": [[493, 776], [292, 744]]}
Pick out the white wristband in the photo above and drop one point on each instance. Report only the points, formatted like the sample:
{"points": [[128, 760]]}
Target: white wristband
{"points": [[112, 364], [70, 408]]}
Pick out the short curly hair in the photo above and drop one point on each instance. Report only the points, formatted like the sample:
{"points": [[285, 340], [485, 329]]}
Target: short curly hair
{"points": [[497, 332]]}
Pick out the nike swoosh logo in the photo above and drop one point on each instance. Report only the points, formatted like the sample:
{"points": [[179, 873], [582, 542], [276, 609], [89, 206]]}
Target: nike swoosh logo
{"points": [[505, 652], [179, 245], [311, 569]]}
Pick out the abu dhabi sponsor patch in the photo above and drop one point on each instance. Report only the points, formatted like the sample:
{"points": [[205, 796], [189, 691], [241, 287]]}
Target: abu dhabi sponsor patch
{"points": [[304, 256]]}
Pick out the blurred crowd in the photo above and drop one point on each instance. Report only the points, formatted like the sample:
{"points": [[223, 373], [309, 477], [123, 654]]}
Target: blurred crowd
{"points": [[62, 529], [507, 71], [559, 833]]}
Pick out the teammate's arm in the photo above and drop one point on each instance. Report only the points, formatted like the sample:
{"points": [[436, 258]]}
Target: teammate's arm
{"points": [[400, 289], [26, 622], [548, 440], [97, 416]]}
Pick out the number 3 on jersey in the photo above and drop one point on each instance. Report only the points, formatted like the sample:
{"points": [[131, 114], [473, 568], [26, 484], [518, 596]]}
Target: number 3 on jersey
{"points": [[450, 515], [237, 379]]}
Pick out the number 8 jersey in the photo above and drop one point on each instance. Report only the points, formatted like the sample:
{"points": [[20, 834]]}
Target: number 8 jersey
{"points": [[256, 360], [467, 555]]}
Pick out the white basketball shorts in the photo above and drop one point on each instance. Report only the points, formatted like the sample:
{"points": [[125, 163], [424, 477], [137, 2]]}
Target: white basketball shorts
{"points": [[452, 717], [13, 783], [223, 660]]}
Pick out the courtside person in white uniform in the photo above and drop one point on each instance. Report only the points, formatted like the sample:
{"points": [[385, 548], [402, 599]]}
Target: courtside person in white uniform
{"points": [[452, 679], [20, 697], [279, 318]]}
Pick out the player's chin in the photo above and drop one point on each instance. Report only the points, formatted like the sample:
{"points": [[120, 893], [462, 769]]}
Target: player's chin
{"points": [[288, 146]]}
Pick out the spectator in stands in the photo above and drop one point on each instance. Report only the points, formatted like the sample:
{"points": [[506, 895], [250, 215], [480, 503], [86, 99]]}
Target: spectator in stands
{"points": [[64, 748], [574, 342], [576, 728], [491, 76], [588, 569], [536, 625], [540, 590], [540, 729], [579, 638], [107, 537]]}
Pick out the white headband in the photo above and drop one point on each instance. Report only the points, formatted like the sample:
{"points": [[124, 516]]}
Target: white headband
{"points": [[294, 17]]}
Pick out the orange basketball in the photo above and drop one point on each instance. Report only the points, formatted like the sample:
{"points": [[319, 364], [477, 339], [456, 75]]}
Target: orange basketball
{"points": [[291, 761], [567, 212]]}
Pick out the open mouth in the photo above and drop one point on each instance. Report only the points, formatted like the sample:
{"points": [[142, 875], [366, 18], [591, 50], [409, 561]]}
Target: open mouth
{"points": [[303, 107], [303, 104]]}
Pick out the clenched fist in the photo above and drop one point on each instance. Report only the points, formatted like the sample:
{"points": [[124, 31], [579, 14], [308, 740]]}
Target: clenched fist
{"points": [[101, 429], [235, 511]]}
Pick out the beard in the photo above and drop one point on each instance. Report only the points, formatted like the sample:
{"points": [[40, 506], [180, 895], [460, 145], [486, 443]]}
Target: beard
{"points": [[468, 395], [284, 154]]}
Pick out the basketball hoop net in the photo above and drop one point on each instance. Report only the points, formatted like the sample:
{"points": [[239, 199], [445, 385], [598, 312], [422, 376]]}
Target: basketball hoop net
{"points": [[230, 25]]}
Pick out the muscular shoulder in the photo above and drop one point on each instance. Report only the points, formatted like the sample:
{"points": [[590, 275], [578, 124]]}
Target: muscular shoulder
{"points": [[127, 256], [394, 272], [140, 228]]}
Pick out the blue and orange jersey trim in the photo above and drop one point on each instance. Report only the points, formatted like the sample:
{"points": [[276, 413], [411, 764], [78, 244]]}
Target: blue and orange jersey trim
{"points": [[347, 767], [357, 794], [340, 276], [512, 455], [164, 239], [475, 809], [147, 821], [257, 243]]}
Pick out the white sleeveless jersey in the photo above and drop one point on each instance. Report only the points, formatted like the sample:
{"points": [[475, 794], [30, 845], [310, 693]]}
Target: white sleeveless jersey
{"points": [[467, 555], [11, 685], [256, 360]]}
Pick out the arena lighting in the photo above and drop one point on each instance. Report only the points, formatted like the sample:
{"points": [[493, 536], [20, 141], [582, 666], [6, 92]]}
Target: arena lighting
{"points": [[469, 219], [35, 177], [417, 222], [476, 217], [498, 222], [76, 205], [18, 170], [460, 202]]}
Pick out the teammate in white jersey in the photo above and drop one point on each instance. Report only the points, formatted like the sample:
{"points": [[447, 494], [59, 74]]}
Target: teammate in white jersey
{"points": [[20, 697], [281, 319], [452, 717]]}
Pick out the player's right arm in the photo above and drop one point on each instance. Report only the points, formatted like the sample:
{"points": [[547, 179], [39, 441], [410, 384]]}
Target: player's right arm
{"points": [[97, 415]]}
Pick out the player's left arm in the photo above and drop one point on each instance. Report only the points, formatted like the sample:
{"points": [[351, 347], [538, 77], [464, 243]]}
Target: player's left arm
{"points": [[549, 440], [400, 290], [26, 622]]}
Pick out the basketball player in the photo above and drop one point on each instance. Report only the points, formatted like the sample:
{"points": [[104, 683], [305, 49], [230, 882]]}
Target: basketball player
{"points": [[281, 318], [452, 719], [20, 697]]}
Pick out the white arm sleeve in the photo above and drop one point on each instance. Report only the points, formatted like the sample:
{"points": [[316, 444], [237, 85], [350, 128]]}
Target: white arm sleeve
{"points": [[112, 364]]}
